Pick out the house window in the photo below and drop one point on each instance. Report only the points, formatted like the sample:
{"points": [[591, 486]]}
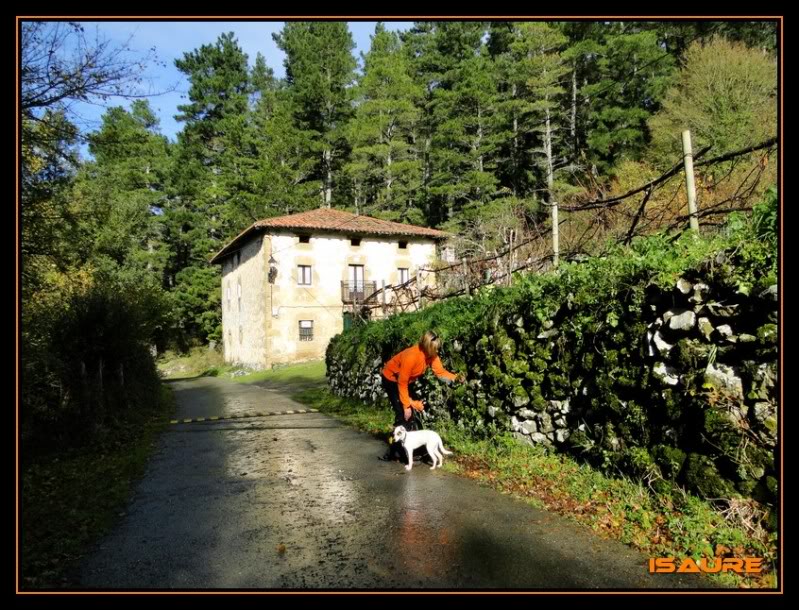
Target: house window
{"points": [[306, 330], [403, 245], [238, 258], [228, 296], [241, 334], [355, 241], [305, 239], [304, 275], [356, 277], [238, 288], [403, 274]]}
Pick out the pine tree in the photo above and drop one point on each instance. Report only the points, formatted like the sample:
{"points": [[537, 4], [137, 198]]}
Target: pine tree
{"points": [[320, 69], [203, 209], [385, 168], [285, 164], [121, 192], [463, 145], [633, 73], [437, 51], [540, 71]]}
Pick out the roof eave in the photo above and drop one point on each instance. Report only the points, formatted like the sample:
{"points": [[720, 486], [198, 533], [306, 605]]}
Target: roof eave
{"points": [[243, 236]]}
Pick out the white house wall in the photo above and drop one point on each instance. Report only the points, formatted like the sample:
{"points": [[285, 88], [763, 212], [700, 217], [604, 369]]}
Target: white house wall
{"points": [[329, 257], [245, 325], [270, 321]]}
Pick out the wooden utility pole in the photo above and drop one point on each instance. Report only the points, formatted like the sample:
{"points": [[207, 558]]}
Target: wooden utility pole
{"points": [[688, 160], [555, 234], [510, 257], [550, 188]]}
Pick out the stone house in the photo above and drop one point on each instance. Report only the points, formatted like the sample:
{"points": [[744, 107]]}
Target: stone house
{"points": [[291, 283]]}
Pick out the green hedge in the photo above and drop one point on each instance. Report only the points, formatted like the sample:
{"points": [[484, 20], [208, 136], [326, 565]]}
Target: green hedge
{"points": [[86, 360], [569, 350]]}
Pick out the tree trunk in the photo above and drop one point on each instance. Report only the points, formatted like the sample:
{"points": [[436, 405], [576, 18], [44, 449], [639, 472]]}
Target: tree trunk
{"points": [[514, 160], [328, 177], [479, 138], [389, 179], [426, 174], [573, 121]]}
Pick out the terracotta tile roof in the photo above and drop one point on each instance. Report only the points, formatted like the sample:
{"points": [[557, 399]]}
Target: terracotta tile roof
{"points": [[346, 222], [331, 220]]}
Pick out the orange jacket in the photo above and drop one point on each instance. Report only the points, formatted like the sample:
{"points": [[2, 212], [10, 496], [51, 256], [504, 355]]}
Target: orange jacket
{"points": [[408, 365]]}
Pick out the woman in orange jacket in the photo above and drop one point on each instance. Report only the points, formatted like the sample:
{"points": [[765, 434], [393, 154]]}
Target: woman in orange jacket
{"points": [[404, 368]]}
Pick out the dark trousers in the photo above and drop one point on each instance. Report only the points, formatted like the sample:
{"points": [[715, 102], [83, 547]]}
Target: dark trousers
{"points": [[392, 389]]}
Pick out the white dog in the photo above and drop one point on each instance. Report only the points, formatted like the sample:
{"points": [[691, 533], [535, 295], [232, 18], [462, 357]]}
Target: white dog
{"points": [[415, 439]]}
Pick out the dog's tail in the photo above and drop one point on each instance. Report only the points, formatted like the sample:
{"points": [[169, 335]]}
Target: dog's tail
{"points": [[444, 451]]}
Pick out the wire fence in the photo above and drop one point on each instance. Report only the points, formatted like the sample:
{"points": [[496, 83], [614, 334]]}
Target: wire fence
{"points": [[727, 183]]}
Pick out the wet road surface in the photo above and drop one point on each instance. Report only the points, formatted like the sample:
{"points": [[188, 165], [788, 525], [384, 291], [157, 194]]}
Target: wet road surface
{"points": [[302, 502]]}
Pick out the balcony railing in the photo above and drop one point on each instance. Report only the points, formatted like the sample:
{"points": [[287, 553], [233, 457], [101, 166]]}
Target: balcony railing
{"points": [[357, 292]]}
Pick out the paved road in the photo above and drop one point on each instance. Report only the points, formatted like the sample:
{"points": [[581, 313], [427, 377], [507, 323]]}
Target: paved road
{"points": [[300, 501]]}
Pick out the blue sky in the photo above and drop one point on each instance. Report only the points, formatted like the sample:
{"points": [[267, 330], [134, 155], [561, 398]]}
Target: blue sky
{"points": [[172, 39]]}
